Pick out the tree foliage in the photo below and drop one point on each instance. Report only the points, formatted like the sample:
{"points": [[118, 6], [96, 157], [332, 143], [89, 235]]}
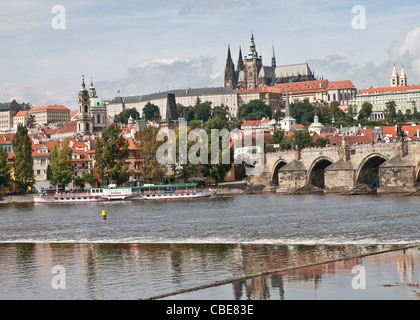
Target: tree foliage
{"points": [[22, 158], [61, 170], [365, 111], [151, 112], [5, 174], [126, 114], [111, 153], [390, 112], [150, 168], [254, 110]]}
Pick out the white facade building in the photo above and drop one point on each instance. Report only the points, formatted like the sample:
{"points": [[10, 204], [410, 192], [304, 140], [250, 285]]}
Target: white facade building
{"points": [[186, 97]]}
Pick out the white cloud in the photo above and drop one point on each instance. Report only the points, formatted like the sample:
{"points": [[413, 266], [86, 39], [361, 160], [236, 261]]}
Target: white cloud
{"points": [[164, 74], [404, 51]]}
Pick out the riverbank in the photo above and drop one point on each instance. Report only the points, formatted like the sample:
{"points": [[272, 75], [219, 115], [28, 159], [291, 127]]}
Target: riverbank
{"points": [[21, 198]]}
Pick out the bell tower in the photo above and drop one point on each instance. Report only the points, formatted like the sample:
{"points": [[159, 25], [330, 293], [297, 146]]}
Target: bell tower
{"points": [[84, 117], [395, 79], [253, 65]]}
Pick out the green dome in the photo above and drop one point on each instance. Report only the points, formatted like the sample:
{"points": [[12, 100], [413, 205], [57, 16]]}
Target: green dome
{"points": [[96, 102]]}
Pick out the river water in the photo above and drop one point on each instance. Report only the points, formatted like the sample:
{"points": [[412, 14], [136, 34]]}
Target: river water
{"points": [[144, 249]]}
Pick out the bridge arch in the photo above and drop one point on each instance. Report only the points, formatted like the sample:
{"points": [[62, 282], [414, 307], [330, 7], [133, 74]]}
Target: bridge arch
{"points": [[368, 171], [275, 171], [417, 178], [316, 174]]}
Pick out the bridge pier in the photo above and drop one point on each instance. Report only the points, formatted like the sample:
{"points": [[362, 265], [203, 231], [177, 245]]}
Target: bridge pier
{"points": [[292, 176], [398, 176], [340, 177]]}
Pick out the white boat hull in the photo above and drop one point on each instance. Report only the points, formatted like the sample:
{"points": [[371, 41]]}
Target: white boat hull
{"points": [[126, 194], [175, 196]]}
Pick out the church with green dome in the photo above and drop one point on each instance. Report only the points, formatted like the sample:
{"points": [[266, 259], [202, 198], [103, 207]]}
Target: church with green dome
{"points": [[92, 113]]}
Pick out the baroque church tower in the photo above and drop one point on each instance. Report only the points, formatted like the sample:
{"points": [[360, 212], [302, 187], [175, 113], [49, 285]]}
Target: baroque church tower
{"points": [[92, 115], [84, 117]]}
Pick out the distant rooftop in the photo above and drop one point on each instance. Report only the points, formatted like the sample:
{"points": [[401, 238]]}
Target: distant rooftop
{"points": [[178, 93]]}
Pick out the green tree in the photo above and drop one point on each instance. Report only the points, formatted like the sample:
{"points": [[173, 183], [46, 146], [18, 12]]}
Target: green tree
{"points": [[303, 138], [5, 174], [277, 137], [30, 123], [61, 170], [151, 112], [202, 110], [187, 170], [303, 112], [365, 111], [286, 143], [221, 112], [390, 112], [126, 114], [400, 116], [416, 114], [278, 115], [218, 170], [111, 152], [150, 168], [254, 110], [22, 158], [90, 178]]}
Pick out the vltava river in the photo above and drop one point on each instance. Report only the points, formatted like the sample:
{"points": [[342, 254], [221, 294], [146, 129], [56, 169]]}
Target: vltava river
{"points": [[145, 249]]}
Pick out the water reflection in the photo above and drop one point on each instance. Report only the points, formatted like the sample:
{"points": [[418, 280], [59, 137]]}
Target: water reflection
{"points": [[132, 271]]}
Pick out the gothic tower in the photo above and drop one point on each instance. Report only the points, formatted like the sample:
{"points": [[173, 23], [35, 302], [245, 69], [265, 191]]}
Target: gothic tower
{"points": [[240, 66], [403, 78], [253, 65], [273, 60], [84, 117], [230, 78], [395, 79]]}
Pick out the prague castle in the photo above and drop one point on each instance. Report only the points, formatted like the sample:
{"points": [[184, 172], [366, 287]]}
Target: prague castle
{"points": [[251, 74]]}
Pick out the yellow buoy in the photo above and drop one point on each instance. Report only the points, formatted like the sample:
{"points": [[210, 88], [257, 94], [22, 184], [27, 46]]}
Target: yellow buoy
{"points": [[104, 214]]}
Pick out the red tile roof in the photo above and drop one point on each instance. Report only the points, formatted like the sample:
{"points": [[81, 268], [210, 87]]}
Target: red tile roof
{"points": [[344, 84], [409, 131], [70, 126], [21, 113], [389, 89], [50, 107], [6, 138], [338, 140]]}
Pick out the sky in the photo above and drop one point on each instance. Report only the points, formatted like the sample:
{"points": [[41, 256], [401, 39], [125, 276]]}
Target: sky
{"points": [[147, 46]]}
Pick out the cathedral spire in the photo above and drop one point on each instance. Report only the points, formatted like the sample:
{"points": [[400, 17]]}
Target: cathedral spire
{"points": [[230, 77], [273, 59], [240, 66], [288, 113]]}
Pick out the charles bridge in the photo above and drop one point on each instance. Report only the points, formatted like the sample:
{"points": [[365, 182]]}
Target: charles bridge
{"points": [[347, 169]]}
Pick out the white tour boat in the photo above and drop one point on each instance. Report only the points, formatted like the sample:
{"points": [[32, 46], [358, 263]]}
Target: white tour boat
{"points": [[114, 193], [178, 191]]}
